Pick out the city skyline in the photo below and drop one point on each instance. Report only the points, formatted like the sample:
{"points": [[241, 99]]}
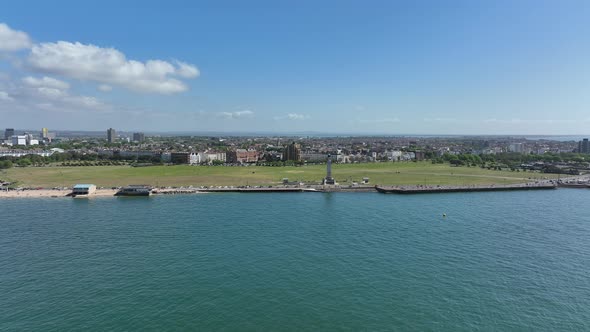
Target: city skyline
{"points": [[375, 67]]}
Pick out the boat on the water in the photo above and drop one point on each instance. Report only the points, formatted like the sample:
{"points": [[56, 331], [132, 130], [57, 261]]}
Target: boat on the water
{"points": [[134, 190]]}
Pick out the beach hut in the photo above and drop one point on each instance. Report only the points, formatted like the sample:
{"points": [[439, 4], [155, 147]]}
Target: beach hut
{"points": [[84, 189]]}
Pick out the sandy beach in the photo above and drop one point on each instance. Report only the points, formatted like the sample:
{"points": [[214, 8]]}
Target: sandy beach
{"points": [[54, 193], [41, 193]]}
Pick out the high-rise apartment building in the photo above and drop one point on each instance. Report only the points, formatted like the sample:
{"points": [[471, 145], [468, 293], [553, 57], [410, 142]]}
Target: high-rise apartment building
{"points": [[584, 146], [516, 147], [138, 137], [8, 133], [292, 152], [111, 135]]}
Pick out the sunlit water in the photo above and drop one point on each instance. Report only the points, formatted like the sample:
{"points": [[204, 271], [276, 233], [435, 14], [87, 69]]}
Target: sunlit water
{"points": [[302, 261]]}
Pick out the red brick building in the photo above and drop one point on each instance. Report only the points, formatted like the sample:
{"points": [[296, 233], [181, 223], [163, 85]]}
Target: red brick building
{"points": [[243, 156]]}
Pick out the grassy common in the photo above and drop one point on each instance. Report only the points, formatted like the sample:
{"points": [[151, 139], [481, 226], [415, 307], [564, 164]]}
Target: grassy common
{"points": [[401, 173]]}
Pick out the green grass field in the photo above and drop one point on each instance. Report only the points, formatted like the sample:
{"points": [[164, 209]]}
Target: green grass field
{"points": [[184, 175]]}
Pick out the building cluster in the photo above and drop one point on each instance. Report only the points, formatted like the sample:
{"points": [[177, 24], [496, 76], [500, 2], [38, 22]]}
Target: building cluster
{"points": [[544, 145], [11, 138], [234, 150], [182, 157], [135, 137]]}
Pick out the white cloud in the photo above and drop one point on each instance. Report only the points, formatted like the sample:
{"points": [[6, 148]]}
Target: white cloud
{"points": [[4, 96], [237, 115], [105, 88], [109, 66], [47, 82], [13, 40], [295, 116], [292, 116], [187, 70], [48, 94], [51, 93]]}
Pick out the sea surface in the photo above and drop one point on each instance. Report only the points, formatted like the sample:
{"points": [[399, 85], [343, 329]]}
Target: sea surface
{"points": [[507, 261]]}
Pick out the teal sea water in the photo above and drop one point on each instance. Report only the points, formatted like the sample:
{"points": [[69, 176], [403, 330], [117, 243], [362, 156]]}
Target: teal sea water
{"points": [[509, 261]]}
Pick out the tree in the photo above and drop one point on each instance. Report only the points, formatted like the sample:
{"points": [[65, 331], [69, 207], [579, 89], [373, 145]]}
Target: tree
{"points": [[5, 164], [24, 162], [457, 162]]}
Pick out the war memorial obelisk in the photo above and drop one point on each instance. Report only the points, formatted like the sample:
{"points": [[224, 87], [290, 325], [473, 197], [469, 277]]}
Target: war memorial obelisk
{"points": [[329, 179]]}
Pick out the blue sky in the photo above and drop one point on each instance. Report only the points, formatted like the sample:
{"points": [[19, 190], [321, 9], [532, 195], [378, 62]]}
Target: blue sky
{"points": [[380, 67]]}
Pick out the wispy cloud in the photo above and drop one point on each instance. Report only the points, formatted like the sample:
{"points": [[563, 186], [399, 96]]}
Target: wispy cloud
{"points": [[292, 116], [47, 94], [46, 82], [105, 88], [237, 115], [4, 96]]}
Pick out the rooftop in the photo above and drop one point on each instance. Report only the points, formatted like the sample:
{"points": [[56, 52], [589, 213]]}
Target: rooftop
{"points": [[83, 186]]}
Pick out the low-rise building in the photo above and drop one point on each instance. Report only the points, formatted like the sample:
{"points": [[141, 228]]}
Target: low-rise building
{"points": [[22, 153], [19, 140], [312, 156], [190, 158], [242, 156], [211, 156], [83, 189], [137, 154], [394, 155]]}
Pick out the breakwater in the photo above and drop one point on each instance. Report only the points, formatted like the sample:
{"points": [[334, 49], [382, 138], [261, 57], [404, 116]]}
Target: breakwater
{"points": [[451, 189], [574, 185]]}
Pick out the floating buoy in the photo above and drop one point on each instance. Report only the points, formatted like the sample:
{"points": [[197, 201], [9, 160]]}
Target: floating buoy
{"points": [[444, 215]]}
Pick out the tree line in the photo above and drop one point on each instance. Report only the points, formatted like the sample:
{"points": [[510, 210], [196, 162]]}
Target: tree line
{"points": [[71, 158]]}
